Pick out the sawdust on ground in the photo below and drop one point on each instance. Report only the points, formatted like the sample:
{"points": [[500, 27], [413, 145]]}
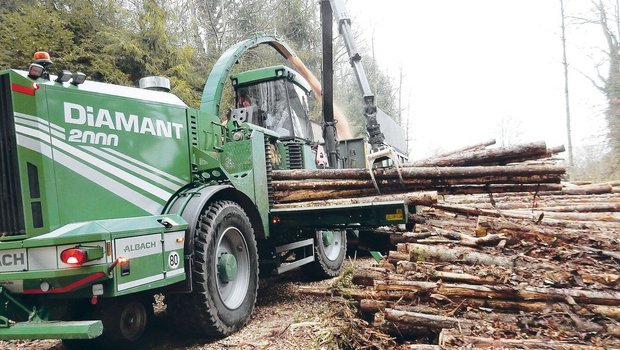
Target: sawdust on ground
{"points": [[282, 320]]}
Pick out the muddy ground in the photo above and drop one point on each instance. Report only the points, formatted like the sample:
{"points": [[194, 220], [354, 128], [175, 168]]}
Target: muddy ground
{"points": [[282, 319]]}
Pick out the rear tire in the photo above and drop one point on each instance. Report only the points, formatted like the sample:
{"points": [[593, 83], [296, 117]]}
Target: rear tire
{"points": [[124, 321], [225, 274], [330, 249]]}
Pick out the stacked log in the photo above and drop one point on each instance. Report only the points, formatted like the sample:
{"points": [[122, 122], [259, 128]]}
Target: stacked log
{"points": [[525, 271], [472, 170], [508, 256]]}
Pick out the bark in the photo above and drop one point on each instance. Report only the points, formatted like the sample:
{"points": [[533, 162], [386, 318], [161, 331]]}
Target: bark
{"points": [[477, 146], [537, 233], [542, 307], [588, 189], [419, 252], [367, 276], [462, 277], [450, 340], [409, 237], [487, 225], [586, 310], [370, 306], [395, 256], [490, 156], [546, 221], [330, 184], [397, 330], [413, 198], [478, 189], [417, 319], [419, 172], [315, 195], [421, 347], [575, 206], [528, 293], [603, 216]]}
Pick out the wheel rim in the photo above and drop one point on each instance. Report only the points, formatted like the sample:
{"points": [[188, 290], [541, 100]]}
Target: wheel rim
{"points": [[133, 320], [232, 281], [332, 251]]}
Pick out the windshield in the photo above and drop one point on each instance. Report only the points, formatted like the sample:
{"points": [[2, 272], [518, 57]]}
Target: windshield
{"points": [[284, 104]]}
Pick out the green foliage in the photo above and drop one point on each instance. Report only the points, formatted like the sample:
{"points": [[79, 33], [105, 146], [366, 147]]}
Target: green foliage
{"points": [[28, 29], [119, 42]]}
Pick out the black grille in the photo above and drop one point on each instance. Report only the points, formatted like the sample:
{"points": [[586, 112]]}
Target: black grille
{"points": [[295, 157], [193, 130], [11, 207], [269, 164]]}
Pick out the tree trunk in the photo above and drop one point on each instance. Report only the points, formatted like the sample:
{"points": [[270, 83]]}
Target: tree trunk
{"points": [[506, 292], [458, 340], [341, 184], [536, 306], [417, 319], [489, 156], [420, 252], [477, 146], [419, 172], [413, 198]]}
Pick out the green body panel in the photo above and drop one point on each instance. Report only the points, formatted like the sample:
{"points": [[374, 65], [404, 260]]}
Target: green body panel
{"points": [[120, 234], [244, 164], [34, 105], [269, 73], [308, 157], [126, 148], [212, 93], [53, 330], [55, 277], [353, 153]]}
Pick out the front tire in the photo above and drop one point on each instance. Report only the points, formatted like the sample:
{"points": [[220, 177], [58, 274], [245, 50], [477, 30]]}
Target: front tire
{"points": [[225, 274]]}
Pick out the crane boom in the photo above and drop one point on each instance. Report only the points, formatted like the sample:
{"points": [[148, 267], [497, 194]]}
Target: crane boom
{"points": [[379, 149], [375, 136]]}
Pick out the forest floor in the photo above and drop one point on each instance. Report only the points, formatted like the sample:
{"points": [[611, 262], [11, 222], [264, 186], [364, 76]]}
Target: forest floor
{"points": [[282, 319]]}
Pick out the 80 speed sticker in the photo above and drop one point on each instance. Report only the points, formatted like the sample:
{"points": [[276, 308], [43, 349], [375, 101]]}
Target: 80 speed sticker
{"points": [[173, 260]]}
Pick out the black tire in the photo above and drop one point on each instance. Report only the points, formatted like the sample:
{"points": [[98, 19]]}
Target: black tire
{"points": [[328, 259], [217, 306], [124, 322]]}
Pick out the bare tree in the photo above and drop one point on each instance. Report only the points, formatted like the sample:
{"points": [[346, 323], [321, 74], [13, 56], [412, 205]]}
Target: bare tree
{"points": [[609, 83], [566, 93]]}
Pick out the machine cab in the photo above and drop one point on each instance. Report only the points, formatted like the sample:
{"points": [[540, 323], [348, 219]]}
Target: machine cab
{"points": [[275, 98]]}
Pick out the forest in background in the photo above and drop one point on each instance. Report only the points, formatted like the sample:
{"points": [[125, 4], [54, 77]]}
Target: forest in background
{"points": [[121, 41]]}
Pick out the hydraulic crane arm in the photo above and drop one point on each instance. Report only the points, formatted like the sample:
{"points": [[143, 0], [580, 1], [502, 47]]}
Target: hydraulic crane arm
{"points": [[379, 149], [375, 136]]}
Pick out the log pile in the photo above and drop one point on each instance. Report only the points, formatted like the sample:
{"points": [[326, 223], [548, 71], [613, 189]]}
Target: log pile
{"points": [[476, 169], [484, 272], [537, 270]]}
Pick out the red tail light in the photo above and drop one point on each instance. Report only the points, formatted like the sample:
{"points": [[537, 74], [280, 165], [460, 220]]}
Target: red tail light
{"points": [[73, 256]]}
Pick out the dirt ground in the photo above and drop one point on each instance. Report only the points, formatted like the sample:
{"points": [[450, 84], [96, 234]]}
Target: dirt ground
{"points": [[282, 319]]}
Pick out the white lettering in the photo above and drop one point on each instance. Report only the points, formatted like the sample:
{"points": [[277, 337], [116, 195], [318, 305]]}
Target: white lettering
{"points": [[69, 115], [177, 128], [104, 118], [147, 126], [89, 116], [163, 128], [130, 124], [99, 118]]}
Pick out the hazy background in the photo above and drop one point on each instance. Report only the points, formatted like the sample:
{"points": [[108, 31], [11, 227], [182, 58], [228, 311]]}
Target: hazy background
{"points": [[474, 70]]}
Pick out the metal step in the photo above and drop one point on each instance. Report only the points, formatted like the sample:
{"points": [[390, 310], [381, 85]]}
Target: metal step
{"points": [[53, 330], [297, 263]]}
